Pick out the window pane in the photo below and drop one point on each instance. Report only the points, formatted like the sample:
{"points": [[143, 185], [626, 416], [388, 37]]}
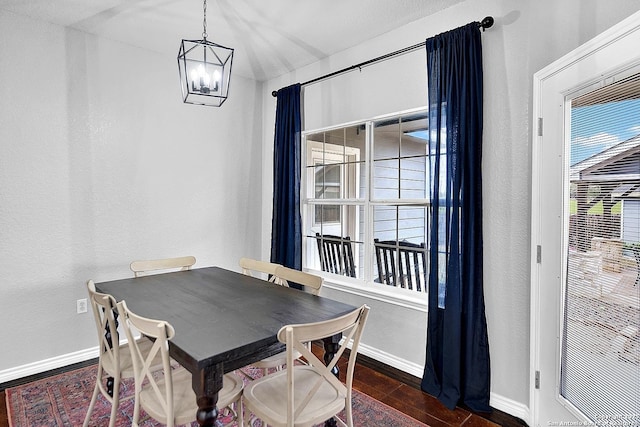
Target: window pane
{"points": [[337, 260], [412, 224], [354, 181], [327, 214], [444, 251], [400, 179], [413, 178], [386, 137], [315, 149], [337, 158], [414, 138], [400, 245], [404, 223], [600, 369], [438, 166], [328, 181], [355, 156], [386, 179], [385, 221], [340, 240], [401, 158]]}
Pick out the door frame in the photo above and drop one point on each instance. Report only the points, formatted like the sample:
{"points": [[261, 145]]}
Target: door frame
{"points": [[557, 80]]}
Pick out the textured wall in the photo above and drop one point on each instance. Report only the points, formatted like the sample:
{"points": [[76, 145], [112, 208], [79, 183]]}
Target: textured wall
{"points": [[102, 164]]}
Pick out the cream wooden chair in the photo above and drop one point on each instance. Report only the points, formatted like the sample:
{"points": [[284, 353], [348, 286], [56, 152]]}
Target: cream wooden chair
{"points": [[114, 361], [311, 282], [305, 395], [145, 267], [279, 275], [252, 267], [170, 398], [255, 268]]}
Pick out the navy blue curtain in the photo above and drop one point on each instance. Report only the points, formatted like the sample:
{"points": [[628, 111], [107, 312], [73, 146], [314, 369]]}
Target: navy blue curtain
{"points": [[457, 369], [286, 229]]}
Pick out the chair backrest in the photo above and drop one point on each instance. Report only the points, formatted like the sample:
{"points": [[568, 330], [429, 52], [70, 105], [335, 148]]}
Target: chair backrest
{"points": [[311, 282], [401, 264], [160, 332], [103, 306], [336, 254], [251, 266], [143, 267], [104, 309], [295, 337]]}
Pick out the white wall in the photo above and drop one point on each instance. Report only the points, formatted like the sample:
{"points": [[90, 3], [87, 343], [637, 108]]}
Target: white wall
{"points": [[527, 35], [102, 164]]}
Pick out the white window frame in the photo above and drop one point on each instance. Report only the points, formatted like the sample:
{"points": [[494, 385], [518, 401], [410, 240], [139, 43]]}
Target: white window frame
{"points": [[362, 286]]}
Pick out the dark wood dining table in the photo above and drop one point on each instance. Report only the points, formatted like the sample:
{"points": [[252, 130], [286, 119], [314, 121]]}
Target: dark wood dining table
{"points": [[223, 320]]}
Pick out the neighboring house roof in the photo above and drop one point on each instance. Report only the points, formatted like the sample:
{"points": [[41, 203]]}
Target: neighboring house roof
{"points": [[620, 163], [626, 191]]}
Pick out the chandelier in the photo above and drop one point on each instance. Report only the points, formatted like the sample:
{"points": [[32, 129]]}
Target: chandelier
{"points": [[205, 69]]}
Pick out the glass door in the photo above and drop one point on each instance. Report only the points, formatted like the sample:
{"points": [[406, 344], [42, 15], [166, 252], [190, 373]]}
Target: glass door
{"points": [[600, 371], [585, 367]]}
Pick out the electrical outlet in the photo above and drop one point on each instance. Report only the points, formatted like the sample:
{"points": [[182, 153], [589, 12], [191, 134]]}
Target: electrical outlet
{"points": [[81, 306]]}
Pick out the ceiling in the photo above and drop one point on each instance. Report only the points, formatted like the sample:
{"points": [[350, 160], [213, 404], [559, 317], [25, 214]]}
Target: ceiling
{"points": [[270, 37]]}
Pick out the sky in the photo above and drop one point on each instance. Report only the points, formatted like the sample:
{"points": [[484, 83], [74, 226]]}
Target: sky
{"points": [[597, 127]]}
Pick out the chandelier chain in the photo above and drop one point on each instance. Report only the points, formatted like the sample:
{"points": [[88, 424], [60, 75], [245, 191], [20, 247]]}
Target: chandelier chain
{"points": [[204, 20]]}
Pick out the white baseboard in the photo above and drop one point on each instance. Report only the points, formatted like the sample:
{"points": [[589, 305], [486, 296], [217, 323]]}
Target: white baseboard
{"points": [[47, 364], [388, 359], [511, 407], [496, 401]]}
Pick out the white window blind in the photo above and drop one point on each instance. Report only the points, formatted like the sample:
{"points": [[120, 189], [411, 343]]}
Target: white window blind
{"points": [[601, 333]]}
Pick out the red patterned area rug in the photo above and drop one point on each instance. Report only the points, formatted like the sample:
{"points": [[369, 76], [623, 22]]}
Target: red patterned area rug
{"points": [[62, 400]]}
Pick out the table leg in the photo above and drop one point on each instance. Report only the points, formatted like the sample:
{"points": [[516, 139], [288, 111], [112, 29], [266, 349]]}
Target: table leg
{"points": [[108, 336], [206, 384], [110, 383], [331, 346]]}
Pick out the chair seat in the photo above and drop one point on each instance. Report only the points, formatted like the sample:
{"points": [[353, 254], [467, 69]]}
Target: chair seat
{"points": [[126, 364], [305, 395], [167, 396], [266, 397], [184, 398]]}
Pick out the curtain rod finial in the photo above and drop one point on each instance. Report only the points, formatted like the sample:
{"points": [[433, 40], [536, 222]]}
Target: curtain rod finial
{"points": [[487, 22], [274, 93]]}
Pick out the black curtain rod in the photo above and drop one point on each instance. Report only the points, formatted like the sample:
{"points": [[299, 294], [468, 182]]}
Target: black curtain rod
{"points": [[484, 24]]}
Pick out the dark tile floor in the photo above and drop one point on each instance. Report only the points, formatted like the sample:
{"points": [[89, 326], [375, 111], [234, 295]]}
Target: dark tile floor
{"points": [[4, 422], [404, 394]]}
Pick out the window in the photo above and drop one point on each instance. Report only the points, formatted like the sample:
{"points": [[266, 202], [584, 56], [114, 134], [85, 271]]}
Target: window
{"points": [[602, 209], [366, 201]]}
